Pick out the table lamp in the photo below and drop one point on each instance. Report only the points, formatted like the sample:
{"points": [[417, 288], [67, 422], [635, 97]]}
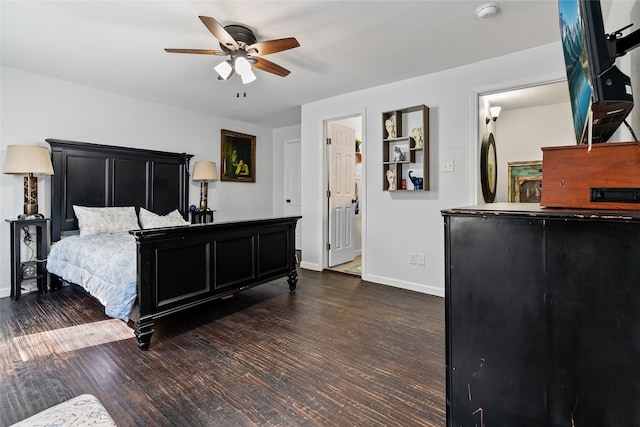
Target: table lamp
{"points": [[28, 160], [204, 172]]}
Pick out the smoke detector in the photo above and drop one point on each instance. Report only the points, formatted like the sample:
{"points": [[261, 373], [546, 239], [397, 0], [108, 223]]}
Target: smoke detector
{"points": [[487, 10]]}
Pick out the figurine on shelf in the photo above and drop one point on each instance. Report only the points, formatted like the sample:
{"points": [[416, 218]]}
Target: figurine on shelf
{"points": [[418, 136], [398, 156], [391, 179], [390, 125], [416, 181]]}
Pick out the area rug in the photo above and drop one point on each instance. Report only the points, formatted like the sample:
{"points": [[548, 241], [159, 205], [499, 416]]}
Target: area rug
{"points": [[355, 269]]}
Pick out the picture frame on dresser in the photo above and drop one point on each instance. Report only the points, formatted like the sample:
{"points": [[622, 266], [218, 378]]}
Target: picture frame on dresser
{"points": [[520, 172], [528, 189], [237, 156]]}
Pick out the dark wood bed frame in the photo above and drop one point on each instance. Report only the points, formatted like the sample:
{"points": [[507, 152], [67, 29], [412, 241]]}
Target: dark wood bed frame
{"points": [[177, 267]]}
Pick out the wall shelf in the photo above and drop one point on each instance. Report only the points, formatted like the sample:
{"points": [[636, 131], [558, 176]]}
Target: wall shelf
{"points": [[402, 137]]}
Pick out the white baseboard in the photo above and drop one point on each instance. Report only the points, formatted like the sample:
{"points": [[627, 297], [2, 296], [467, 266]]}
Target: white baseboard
{"points": [[417, 287], [310, 266]]}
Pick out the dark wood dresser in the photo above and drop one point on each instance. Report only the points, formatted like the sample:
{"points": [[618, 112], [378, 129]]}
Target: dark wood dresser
{"points": [[542, 316]]}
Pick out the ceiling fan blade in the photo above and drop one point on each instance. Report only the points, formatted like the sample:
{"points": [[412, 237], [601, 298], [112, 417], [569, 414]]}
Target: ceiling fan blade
{"points": [[270, 67], [219, 32], [198, 51], [273, 46]]}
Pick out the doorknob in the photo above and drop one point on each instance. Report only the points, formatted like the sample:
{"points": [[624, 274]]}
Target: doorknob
{"points": [[288, 200]]}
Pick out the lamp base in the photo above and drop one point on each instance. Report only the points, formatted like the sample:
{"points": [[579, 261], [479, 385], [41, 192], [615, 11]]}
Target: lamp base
{"points": [[30, 216], [204, 189], [30, 206]]}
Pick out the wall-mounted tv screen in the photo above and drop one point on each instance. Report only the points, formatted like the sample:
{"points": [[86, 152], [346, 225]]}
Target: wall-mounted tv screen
{"points": [[596, 86], [575, 59]]}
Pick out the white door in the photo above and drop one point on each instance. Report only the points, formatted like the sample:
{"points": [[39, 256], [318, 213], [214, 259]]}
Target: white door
{"points": [[341, 194], [292, 176]]}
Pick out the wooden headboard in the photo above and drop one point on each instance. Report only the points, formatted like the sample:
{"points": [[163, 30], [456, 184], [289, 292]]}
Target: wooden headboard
{"points": [[102, 175]]}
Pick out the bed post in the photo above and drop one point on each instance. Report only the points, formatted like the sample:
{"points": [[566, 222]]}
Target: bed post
{"points": [[293, 275], [144, 329], [293, 280]]}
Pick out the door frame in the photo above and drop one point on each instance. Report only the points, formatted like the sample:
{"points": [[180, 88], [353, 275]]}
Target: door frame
{"points": [[285, 205], [477, 124], [325, 188]]}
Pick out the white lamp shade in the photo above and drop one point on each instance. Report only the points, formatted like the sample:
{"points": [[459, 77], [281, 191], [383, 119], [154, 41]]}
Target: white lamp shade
{"points": [[224, 69], [248, 76], [26, 159], [205, 171], [242, 65]]}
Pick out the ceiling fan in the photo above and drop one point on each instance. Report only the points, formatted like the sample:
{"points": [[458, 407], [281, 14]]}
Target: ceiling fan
{"points": [[241, 45]]}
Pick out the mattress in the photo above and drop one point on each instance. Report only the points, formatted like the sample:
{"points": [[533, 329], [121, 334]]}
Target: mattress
{"points": [[103, 264]]}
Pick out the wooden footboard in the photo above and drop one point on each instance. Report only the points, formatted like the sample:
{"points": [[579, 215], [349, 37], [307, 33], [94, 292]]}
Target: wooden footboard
{"points": [[181, 267]]}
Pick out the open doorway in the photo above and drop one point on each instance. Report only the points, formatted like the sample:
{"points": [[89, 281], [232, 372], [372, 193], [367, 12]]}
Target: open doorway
{"points": [[531, 117], [344, 160]]}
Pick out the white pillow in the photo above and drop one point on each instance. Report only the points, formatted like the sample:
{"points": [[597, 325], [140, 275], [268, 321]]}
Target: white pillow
{"points": [[151, 220], [106, 220]]}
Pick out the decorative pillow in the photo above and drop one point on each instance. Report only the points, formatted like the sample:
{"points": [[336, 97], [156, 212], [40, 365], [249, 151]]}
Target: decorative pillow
{"points": [[151, 220], [106, 220]]}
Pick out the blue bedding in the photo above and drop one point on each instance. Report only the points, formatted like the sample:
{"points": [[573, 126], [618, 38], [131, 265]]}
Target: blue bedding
{"points": [[103, 264]]}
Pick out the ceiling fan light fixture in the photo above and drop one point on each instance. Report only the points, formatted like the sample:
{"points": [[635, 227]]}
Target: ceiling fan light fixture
{"points": [[242, 65], [224, 69], [247, 77], [239, 42]]}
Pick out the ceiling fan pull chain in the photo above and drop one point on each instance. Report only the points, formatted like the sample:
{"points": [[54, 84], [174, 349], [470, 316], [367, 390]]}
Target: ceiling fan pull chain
{"points": [[244, 93]]}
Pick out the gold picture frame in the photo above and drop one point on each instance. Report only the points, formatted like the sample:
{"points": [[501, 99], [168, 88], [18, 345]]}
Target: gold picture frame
{"points": [[237, 156], [529, 172]]}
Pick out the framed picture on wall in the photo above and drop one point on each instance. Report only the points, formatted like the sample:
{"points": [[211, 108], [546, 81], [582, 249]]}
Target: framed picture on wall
{"points": [[237, 156], [525, 181]]}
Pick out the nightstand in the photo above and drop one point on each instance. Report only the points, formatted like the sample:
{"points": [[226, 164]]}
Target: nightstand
{"points": [[202, 217], [36, 270]]}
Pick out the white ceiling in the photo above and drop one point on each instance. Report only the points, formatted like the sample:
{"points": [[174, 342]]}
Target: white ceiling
{"points": [[527, 97], [345, 46]]}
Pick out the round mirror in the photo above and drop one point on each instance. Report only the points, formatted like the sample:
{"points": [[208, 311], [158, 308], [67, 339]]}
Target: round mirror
{"points": [[488, 167]]}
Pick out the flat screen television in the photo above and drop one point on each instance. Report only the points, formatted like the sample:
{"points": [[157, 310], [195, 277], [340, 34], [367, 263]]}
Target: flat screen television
{"points": [[601, 95]]}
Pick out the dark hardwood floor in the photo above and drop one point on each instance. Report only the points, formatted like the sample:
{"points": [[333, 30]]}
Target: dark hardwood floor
{"points": [[336, 352]]}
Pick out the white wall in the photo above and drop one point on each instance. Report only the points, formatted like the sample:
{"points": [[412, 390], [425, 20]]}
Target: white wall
{"points": [[396, 223], [621, 14], [34, 107], [520, 135]]}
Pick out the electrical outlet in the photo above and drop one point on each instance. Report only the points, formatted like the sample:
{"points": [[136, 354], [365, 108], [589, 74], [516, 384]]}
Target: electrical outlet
{"points": [[420, 259], [412, 257], [448, 166]]}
